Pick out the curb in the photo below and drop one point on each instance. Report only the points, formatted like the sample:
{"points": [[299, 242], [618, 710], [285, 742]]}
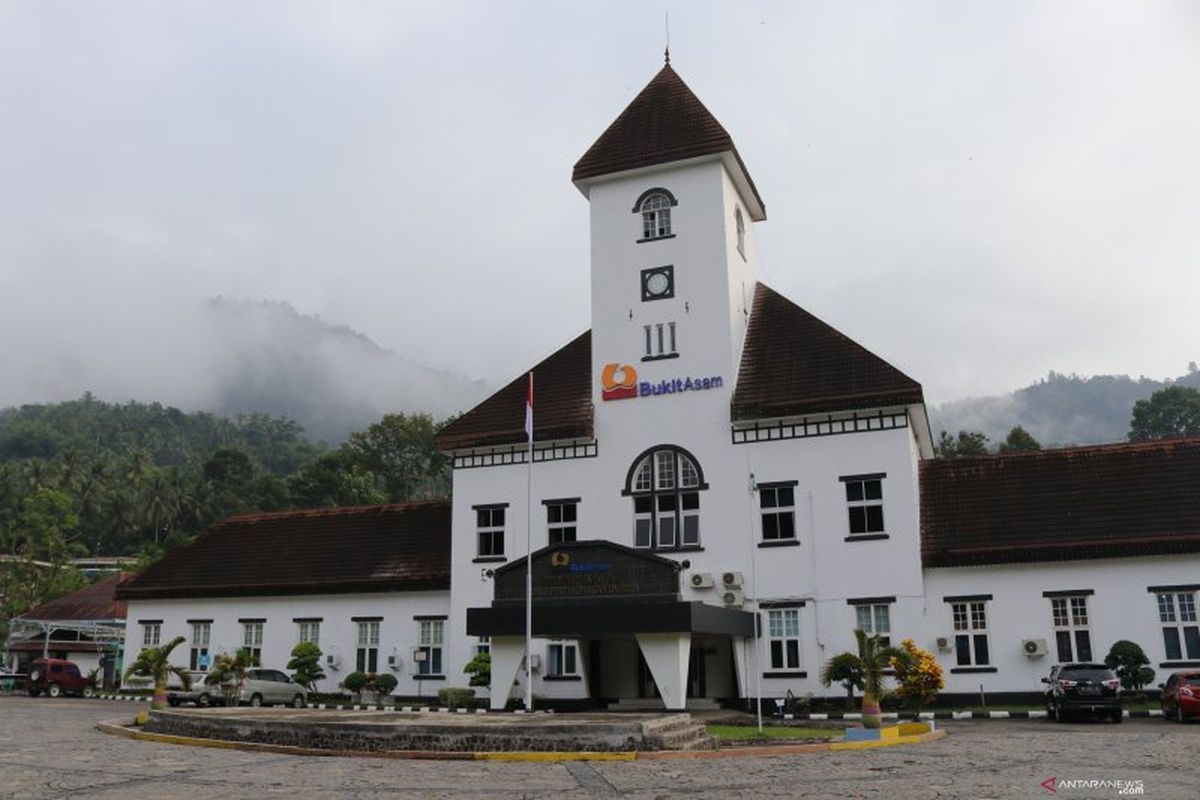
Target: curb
{"points": [[953, 715], [117, 728]]}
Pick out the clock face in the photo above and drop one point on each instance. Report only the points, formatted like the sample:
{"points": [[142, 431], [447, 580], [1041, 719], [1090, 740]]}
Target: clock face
{"points": [[658, 283]]}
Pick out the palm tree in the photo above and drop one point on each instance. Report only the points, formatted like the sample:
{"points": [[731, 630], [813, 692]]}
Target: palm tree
{"points": [[874, 657], [228, 672], [155, 663], [846, 669]]}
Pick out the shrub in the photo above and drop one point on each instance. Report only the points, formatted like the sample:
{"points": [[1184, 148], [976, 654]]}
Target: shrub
{"points": [[385, 683], [455, 697], [306, 664], [918, 675], [355, 681], [480, 669], [1129, 661]]}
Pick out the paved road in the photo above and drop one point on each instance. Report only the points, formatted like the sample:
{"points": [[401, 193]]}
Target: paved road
{"points": [[48, 749]]}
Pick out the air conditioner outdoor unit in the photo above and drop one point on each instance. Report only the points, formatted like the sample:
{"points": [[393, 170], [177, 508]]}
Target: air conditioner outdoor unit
{"points": [[332, 660], [702, 580], [943, 644], [394, 663], [732, 580], [1034, 648], [733, 597], [535, 662]]}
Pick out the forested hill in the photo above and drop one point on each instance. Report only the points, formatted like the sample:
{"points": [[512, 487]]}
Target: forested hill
{"points": [[1060, 410]]}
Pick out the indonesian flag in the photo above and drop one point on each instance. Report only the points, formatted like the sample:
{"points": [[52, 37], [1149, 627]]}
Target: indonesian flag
{"points": [[529, 411]]}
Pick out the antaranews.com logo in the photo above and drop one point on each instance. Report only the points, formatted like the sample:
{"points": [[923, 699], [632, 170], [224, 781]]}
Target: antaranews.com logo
{"points": [[1119, 786]]}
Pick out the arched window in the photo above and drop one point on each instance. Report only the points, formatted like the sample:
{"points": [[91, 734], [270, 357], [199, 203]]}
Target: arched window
{"points": [[655, 207], [741, 231], [665, 483]]}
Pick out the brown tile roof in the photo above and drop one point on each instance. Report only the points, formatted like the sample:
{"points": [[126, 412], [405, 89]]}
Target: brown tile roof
{"points": [[96, 601], [1106, 501], [402, 547], [562, 404], [665, 122], [793, 363]]}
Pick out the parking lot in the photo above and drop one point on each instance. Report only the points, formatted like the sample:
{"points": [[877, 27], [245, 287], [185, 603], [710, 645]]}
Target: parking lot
{"points": [[49, 749]]}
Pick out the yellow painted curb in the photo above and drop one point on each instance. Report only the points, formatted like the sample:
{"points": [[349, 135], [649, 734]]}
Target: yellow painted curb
{"points": [[552, 757]]}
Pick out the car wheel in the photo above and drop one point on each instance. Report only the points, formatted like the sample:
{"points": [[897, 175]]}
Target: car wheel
{"points": [[88, 691], [54, 690], [204, 701], [298, 701], [255, 700], [173, 702]]}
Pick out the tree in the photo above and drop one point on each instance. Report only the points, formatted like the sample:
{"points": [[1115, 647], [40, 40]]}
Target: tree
{"points": [[155, 663], [40, 543], [1019, 441], [334, 479], [480, 670], [228, 672], [399, 450], [1170, 412], [306, 665], [870, 662], [968, 443], [1129, 661], [918, 675], [846, 669]]}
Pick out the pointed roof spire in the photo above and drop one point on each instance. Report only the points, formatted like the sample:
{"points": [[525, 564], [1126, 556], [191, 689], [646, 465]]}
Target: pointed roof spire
{"points": [[666, 122]]}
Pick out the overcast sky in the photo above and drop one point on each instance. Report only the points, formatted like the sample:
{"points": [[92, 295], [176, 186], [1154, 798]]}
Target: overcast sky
{"points": [[978, 192]]}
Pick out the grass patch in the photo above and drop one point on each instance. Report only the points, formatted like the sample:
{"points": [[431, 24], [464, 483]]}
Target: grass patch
{"points": [[745, 733]]}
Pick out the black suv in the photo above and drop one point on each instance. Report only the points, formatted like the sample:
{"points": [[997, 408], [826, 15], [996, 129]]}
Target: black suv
{"points": [[1091, 689]]}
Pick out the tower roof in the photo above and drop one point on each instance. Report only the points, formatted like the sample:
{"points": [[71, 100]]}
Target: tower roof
{"points": [[665, 122]]}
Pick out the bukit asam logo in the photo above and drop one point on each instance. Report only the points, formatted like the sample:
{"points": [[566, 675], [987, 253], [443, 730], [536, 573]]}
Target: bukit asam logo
{"points": [[619, 381]]}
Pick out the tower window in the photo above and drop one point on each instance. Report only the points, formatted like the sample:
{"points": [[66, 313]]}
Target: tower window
{"points": [[665, 483], [741, 232], [655, 207]]}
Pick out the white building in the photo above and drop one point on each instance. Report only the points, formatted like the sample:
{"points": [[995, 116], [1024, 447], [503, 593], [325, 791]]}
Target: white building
{"points": [[723, 487]]}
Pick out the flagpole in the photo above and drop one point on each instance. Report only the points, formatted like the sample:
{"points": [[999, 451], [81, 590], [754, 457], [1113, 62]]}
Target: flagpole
{"points": [[529, 553]]}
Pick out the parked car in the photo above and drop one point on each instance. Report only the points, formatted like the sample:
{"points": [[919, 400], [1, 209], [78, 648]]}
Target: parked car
{"points": [[1181, 696], [57, 677], [267, 686], [202, 694], [1083, 689]]}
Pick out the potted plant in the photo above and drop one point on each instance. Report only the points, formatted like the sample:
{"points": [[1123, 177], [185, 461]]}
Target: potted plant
{"points": [[154, 663]]}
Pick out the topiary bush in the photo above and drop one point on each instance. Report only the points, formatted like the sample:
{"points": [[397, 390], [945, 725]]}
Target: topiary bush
{"points": [[456, 697], [354, 682], [385, 683], [1129, 661]]}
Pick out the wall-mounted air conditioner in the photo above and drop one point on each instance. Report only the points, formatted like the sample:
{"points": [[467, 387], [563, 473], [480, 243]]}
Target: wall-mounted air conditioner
{"points": [[701, 580], [732, 580], [1034, 648], [943, 644], [394, 662], [332, 660], [733, 598]]}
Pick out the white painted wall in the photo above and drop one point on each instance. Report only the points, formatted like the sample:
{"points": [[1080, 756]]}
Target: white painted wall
{"points": [[398, 632]]}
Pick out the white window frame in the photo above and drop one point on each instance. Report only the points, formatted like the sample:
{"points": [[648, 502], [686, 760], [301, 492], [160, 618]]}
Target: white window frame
{"points": [[252, 639], [368, 645], [970, 621], [1070, 617], [490, 523], [308, 630], [861, 499], [874, 619], [783, 628], [669, 518], [777, 510], [483, 645], [201, 641], [431, 637], [740, 224], [151, 634], [562, 659], [656, 216], [562, 530], [1177, 615]]}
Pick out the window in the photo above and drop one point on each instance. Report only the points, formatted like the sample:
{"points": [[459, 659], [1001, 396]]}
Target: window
{"points": [[201, 633], [309, 630], [561, 659], [368, 646], [1181, 634], [864, 499], [151, 634], [777, 502], [1071, 634], [490, 521], [783, 638], [660, 341], [741, 231], [431, 645], [483, 645], [874, 619], [252, 638], [970, 633], [656, 215], [665, 484], [560, 521]]}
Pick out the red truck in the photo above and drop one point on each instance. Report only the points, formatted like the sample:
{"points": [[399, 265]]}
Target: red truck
{"points": [[57, 677]]}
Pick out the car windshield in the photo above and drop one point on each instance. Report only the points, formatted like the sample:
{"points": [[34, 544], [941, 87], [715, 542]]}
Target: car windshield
{"points": [[1193, 680], [1087, 673]]}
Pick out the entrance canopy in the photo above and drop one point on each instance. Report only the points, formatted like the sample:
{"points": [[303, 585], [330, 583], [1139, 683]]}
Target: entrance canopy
{"points": [[598, 588]]}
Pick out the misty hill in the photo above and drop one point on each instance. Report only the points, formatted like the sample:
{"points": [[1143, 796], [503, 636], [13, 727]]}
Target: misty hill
{"points": [[1060, 410]]}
